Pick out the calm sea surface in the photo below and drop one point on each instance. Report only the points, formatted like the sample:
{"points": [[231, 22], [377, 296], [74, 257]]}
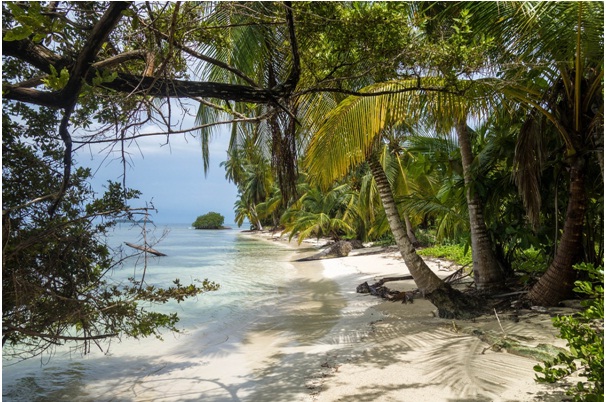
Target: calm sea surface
{"points": [[252, 274]]}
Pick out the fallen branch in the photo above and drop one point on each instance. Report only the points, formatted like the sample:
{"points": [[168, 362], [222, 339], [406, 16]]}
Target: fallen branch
{"points": [[377, 289], [145, 249]]}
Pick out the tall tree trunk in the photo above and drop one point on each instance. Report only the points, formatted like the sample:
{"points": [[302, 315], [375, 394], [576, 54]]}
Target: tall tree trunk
{"points": [[557, 282], [450, 302], [487, 272]]}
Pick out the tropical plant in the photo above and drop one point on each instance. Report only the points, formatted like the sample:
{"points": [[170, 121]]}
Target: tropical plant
{"points": [[584, 334], [553, 54], [437, 190], [320, 213]]}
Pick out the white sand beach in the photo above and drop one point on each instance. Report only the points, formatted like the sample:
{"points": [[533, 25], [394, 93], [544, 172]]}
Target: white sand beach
{"points": [[321, 341], [389, 351]]}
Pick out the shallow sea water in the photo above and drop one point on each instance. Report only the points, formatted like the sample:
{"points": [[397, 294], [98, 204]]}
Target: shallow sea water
{"points": [[207, 361]]}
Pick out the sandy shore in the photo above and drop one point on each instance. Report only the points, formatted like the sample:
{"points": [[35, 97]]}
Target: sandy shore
{"points": [[321, 341], [384, 351]]}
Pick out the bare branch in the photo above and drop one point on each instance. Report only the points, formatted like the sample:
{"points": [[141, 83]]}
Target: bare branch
{"points": [[171, 132]]}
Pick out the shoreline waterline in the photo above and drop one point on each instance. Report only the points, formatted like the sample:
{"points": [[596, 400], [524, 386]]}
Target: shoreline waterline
{"points": [[274, 350], [307, 336]]}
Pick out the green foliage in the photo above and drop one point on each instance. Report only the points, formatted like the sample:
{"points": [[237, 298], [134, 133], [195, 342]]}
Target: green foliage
{"points": [[584, 333], [385, 240], [530, 261], [457, 253], [56, 80], [211, 220], [31, 21], [426, 236], [320, 214], [57, 282]]}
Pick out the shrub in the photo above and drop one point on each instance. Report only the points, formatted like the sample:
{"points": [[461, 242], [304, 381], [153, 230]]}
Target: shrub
{"points": [[457, 253], [211, 220], [584, 333]]}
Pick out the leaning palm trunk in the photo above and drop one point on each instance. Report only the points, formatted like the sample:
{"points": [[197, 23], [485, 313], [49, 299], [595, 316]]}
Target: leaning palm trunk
{"points": [[487, 272], [557, 282], [450, 302], [255, 216]]}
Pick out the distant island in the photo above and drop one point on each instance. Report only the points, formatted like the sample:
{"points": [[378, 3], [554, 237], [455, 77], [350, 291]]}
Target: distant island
{"points": [[211, 220]]}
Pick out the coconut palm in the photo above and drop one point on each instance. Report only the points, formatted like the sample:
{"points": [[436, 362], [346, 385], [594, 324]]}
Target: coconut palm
{"points": [[553, 53], [320, 213], [358, 122], [488, 274], [353, 132]]}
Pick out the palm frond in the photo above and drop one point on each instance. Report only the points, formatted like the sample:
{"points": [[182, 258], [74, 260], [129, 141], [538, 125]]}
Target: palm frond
{"points": [[528, 162]]}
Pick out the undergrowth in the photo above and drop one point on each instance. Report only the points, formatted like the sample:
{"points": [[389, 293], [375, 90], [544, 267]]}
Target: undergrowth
{"points": [[457, 253], [584, 333]]}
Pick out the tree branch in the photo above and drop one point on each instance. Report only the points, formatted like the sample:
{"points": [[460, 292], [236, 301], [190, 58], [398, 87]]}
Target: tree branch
{"points": [[24, 331], [293, 78], [368, 94], [67, 157], [184, 131], [91, 47], [34, 54]]}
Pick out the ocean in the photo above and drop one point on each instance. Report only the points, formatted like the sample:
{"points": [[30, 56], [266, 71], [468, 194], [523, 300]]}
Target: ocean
{"points": [[233, 340]]}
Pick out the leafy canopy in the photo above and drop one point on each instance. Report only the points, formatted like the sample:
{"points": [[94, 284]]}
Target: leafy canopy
{"points": [[211, 220]]}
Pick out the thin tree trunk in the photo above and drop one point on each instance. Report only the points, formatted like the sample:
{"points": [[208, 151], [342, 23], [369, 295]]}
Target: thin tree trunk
{"points": [[557, 282], [487, 272], [450, 302], [410, 232], [253, 209]]}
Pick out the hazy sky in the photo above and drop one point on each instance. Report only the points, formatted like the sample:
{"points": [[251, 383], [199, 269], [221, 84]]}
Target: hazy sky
{"points": [[171, 176]]}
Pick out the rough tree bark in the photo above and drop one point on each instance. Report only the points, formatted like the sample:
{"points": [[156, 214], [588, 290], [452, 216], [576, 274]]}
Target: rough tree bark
{"points": [[557, 282], [487, 272]]}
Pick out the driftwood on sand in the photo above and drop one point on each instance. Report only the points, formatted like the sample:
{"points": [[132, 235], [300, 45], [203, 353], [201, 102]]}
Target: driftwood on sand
{"points": [[145, 249], [342, 248], [377, 289]]}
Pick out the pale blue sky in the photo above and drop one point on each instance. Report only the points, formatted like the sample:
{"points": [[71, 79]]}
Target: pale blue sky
{"points": [[171, 176]]}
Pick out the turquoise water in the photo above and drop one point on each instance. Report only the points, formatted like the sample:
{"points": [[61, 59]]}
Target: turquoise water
{"points": [[252, 273]]}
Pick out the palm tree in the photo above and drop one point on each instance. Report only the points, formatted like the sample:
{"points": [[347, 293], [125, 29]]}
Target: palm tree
{"points": [[320, 213], [487, 271], [358, 122], [554, 54], [252, 52], [450, 303], [352, 132]]}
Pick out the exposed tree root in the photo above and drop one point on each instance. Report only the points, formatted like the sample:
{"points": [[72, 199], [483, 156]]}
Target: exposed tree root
{"points": [[450, 302]]}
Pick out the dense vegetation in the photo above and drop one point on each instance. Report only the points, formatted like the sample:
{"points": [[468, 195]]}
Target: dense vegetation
{"points": [[211, 220], [481, 122]]}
